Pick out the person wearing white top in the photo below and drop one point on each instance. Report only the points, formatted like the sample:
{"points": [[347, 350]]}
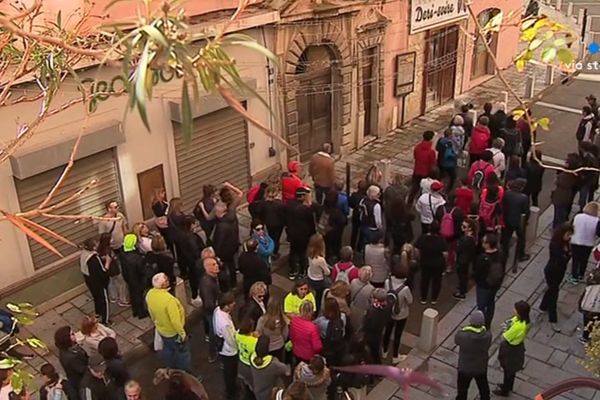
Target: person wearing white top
{"points": [[397, 284], [224, 332], [585, 232], [428, 203], [317, 265], [498, 159]]}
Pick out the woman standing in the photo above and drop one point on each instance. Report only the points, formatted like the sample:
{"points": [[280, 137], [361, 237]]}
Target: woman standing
{"points": [[162, 259], [272, 213], [331, 225], [72, 357], [304, 334], [466, 250], [226, 239], [299, 294], [274, 324], [94, 268], [115, 365], [91, 333], [512, 350], [203, 209], [117, 288], [160, 209], [361, 291], [399, 291], [144, 237], [318, 269], [400, 224], [176, 219], [433, 251], [585, 230], [560, 253], [375, 257], [332, 325]]}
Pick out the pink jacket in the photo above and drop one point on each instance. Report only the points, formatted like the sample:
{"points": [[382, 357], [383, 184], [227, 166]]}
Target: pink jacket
{"points": [[305, 337]]}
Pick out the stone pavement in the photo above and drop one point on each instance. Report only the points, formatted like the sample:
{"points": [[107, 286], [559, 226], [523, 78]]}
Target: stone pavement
{"points": [[550, 357], [133, 334]]}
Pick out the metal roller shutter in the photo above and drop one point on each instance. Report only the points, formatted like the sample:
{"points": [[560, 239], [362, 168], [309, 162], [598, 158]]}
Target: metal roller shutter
{"points": [[217, 152], [32, 191]]}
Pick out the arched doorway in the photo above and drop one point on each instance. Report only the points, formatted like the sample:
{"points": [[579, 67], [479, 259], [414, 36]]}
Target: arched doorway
{"points": [[482, 62], [314, 99]]}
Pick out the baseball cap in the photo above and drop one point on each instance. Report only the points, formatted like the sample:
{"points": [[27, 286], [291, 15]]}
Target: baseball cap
{"points": [[129, 242], [293, 166], [437, 185], [97, 363]]}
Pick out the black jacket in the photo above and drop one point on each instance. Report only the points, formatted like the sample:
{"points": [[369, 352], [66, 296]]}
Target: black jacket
{"points": [[473, 347], [497, 123], [160, 208], [74, 362], [466, 249], [272, 214], [98, 278], [514, 205], [251, 309], [164, 263], [534, 173], [117, 371], [300, 221], [560, 254], [353, 202], [209, 292], [375, 322], [482, 266], [254, 269], [92, 388], [132, 268], [564, 192]]}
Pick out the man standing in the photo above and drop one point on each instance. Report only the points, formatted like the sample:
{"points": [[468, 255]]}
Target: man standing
{"points": [[117, 228], [473, 342], [94, 385], [526, 135], [371, 220], [209, 293], [591, 100], [425, 160], [301, 217], [168, 315], [488, 272], [587, 126], [428, 203], [227, 346], [322, 170], [516, 213]]}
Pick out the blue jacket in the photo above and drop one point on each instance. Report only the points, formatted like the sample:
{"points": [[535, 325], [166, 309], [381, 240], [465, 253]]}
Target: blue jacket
{"points": [[265, 246], [342, 203]]}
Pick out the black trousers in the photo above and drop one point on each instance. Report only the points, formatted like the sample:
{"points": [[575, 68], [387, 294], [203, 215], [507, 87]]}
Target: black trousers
{"points": [[581, 255], [507, 234], [100, 297], [398, 327], [463, 382], [275, 233], [462, 273], [415, 187], [298, 259], [320, 192], [230, 372], [509, 382], [431, 277], [550, 300], [451, 174]]}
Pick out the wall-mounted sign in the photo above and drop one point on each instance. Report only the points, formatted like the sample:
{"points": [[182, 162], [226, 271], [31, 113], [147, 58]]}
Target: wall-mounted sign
{"points": [[428, 14], [405, 74]]}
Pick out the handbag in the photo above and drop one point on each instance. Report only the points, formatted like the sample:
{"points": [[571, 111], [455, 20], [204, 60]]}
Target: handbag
{"points": [[158, 342], [115, 267]]}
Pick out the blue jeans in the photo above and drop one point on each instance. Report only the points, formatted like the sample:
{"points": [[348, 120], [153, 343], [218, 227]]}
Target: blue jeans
{"points": [[177, 354], [486, 303]]}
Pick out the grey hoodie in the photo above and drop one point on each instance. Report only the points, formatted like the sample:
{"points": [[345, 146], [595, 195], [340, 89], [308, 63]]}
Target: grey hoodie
{"points": [[83, 259]]}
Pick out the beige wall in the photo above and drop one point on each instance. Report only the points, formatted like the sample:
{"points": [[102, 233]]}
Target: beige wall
{"points": [[141, 151]]}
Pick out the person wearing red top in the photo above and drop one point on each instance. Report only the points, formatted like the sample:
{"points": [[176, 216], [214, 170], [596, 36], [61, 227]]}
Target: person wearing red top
{"points": [[485, 165], [290, 181], [345, 266], [304, 334], [425, 160], [463, 197], [480, 139]]}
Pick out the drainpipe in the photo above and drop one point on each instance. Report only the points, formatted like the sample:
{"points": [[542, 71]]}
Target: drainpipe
{"points": [[269, 73]]}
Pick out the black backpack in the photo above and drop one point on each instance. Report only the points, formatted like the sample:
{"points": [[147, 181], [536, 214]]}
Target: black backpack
{"points": [[334, 334], [392, 295]]}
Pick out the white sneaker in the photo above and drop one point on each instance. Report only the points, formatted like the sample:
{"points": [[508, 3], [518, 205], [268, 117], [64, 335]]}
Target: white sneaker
{"points": [[399, 359], [196, 302], [384, 355]]}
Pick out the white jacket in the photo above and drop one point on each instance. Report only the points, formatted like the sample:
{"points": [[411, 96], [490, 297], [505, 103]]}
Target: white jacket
{"points": [[499, 161], [427, 204]]}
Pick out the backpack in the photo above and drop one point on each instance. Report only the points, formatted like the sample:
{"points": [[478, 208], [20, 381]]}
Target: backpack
{"points": [[591, 299], [487, 213], [447, 224], [334, 334], [495, 275], [344, 275], [392, 296], [479, 176], [449, 156]]}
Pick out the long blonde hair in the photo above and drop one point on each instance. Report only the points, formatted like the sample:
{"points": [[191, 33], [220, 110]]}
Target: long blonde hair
{"points": [[316, 246], [407, 254], [156, 195], [274, 317]]}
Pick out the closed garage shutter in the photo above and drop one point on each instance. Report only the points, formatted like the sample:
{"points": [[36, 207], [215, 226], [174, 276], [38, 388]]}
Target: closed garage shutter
{"points": [[32, 191], [217, 152]]}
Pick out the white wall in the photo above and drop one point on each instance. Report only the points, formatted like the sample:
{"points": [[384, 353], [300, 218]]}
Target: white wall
{"points": [[141, 151]]}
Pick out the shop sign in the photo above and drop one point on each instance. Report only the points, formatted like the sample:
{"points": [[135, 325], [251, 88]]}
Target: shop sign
{"points": [[428, 14]]}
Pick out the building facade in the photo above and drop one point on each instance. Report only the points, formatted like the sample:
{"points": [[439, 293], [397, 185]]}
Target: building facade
{"points": [[349, 71]]}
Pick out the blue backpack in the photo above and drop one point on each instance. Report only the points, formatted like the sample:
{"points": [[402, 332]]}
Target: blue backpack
{"points": [[449, 157]]}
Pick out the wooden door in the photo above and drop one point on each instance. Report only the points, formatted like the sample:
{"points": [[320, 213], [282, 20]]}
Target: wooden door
{"points": [[149, 180], [440, 67]]}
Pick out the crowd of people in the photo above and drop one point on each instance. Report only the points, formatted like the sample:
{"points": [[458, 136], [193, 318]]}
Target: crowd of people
{"points": [[452, 224]]}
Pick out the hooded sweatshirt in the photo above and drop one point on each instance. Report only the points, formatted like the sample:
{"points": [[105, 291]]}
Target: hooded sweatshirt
{"points": [[344, 266], [266, 375], [83, 259], [425, 158], [480, 139]]}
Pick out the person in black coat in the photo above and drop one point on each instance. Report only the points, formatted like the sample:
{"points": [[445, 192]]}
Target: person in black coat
{"points": [[516, 212], [159, 260], [272, 213], [354, 202], [498, 120], [52, 382], [96, 277], [94, 385], [466, 250], [132, 267], [116, 369], [376, 319], [190, 248], [534, 173], [73, 359], [331, 224], [560, 253], [300, 226], [210, 293], [252, 266], [160, 209], [255, 305]]}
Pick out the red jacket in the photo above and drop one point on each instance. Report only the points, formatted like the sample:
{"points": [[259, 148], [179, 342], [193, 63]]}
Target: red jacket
{"points": [[425, 158], [485, 166], [305, 337], [463, 198], [289, 184], [480, 139]]}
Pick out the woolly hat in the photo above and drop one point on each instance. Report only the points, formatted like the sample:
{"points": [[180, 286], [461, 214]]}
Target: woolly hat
{"points": [[129, 242], [477, 318], [293, 166]]}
